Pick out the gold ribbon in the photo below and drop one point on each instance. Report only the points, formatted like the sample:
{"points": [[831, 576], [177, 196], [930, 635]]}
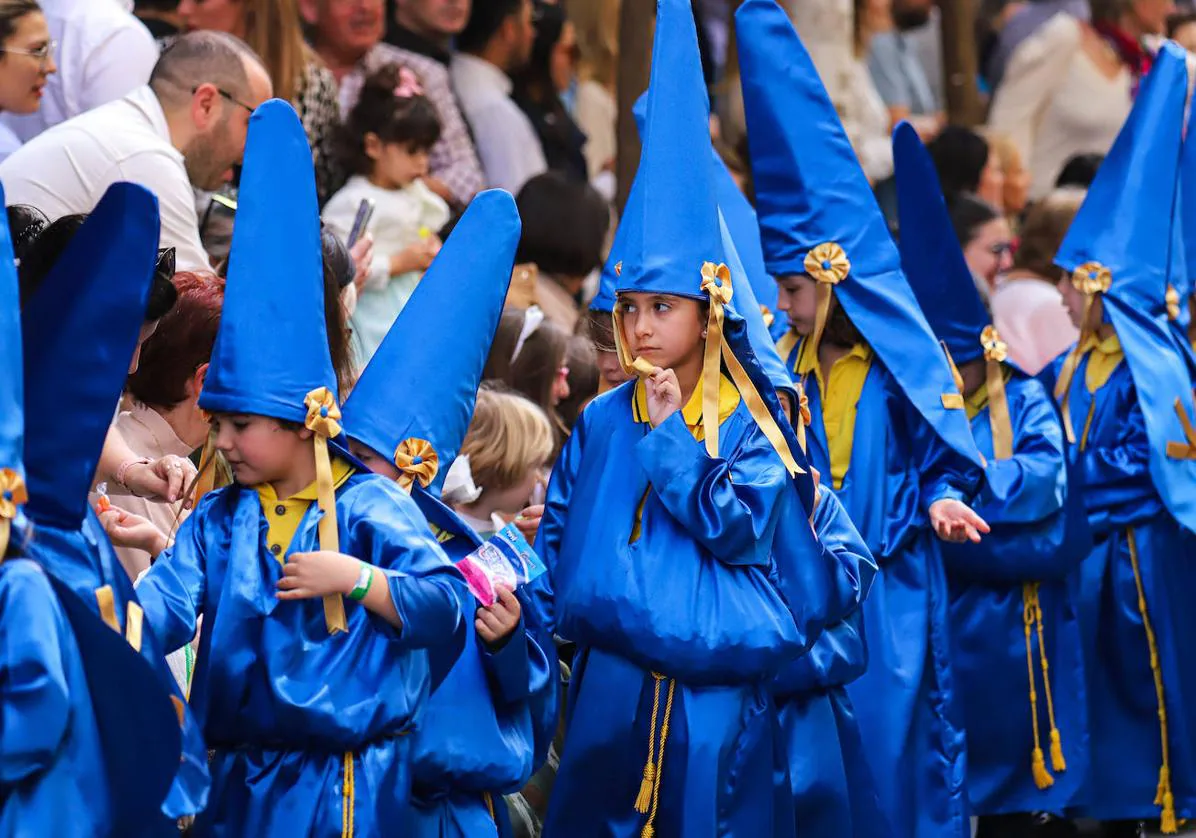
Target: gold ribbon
{"points": [[828, 265], [323, 415], [1091, 279], [1172, 300], [1183, 450], [952, 401], [12, 494], [803, 415], [995, 353], [767, 315], [417, 462]]}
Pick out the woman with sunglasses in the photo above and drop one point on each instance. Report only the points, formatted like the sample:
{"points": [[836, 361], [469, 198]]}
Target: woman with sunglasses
{"points": [[986, 239], [26, 61]]}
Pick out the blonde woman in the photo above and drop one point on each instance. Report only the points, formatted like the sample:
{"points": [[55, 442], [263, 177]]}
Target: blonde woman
{"points": [[272, 29]]}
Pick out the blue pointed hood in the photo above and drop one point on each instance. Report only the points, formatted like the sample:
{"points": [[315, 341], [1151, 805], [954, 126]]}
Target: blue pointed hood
{"points": [[633, 212], [931, 258], [12, 389], [81, 327], [811, 194], [1185, 275], [1119, 247], [422, 382], [272, 347]]}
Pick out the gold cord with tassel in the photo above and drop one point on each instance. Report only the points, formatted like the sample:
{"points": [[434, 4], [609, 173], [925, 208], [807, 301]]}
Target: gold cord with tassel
{"points": [[323, 414], [1058, 763], [649, 830], [643, 800], [1042, 778]]}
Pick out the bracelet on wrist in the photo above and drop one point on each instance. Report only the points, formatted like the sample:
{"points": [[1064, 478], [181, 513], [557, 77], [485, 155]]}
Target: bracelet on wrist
{"points": [[122, 470], [364, 580]]}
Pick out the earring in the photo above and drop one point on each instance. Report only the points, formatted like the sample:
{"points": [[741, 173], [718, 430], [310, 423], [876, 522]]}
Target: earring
{"points": [[703, 334]]}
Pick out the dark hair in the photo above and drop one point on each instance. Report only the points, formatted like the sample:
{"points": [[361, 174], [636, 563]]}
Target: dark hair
{"points": [[968, 214], [410, 120], [337, 260], [155, 5], [599, 328], [485, 19], [42, 252], [336, 319], [534, 370], [583, 378], [839, 330], [1179, 20], [960, 155], [182, 342], [25, 224], [200, 57], [11, 11], [564, 225], [1079, 170], [1043, 229]]}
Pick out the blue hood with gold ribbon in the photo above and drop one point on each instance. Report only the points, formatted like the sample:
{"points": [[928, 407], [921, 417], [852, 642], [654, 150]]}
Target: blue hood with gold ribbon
{"points": [[80, 329], [13, 491], [1119, 246], [818, 215]]}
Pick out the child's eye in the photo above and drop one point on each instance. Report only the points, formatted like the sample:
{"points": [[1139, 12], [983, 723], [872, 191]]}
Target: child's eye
{"points": [[662, 307], [627, 308], [240, 424]]}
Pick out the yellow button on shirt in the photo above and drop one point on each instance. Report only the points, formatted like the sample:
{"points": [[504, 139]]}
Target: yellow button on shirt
{"points": [[283, 516], [840, 397]]}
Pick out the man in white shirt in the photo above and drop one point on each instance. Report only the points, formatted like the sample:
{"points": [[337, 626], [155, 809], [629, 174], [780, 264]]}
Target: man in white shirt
{"points": [[497, 41], [185, 129], [103, 53]]}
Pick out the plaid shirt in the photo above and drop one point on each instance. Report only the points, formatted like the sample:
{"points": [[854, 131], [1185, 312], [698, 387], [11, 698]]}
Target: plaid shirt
{"points": [[454, 159]]}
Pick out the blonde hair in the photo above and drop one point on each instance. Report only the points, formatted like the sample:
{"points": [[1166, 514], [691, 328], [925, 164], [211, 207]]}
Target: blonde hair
{"points": [[508, 437], [273, 30], [596, 26]]}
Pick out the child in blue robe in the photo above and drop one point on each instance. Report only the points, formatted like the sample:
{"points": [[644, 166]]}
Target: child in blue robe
{"points": [[308, 706], [1126, 396], [1014, 620], [489, 724], [888, 432]]}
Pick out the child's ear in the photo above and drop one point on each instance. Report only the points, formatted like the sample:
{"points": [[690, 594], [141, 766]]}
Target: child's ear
{"points": [[304, 433], [373, 145]]}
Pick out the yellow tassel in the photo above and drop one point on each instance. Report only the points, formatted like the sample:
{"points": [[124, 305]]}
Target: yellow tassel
{"points": [[1057, 761], [1167, 820], [643, 800], [1164, 782], [648, 831], [1042, 777]]}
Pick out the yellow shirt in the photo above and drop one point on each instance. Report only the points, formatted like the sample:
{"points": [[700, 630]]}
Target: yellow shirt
{"points": [[283, 516], [1104, 356], [840, 398]]}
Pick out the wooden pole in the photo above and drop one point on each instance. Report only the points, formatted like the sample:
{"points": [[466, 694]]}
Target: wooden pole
{"points": [[636, 18], [964, 106]]}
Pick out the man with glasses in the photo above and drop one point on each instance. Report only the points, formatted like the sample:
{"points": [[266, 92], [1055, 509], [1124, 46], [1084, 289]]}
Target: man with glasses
{"points": [[184, 130]]}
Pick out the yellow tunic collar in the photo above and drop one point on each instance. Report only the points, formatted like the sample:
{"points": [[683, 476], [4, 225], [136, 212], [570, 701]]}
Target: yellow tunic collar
{"points": [[728, 401], [840, 397], [1103, 358], [284, 516]]}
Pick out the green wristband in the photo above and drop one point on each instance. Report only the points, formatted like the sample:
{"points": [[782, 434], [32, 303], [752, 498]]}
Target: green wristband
{"points": [[364, 580]]}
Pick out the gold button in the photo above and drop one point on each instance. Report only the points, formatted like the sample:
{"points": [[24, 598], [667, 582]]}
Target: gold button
{"points": [[276, 549]]}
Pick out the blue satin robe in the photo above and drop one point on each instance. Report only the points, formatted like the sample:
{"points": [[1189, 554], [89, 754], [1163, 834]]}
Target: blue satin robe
{"points": [[904, 701], [830, 781], [1121, 498], [85, 561], [475, 740], [294, 714], [52, 779], [690, 599], [1024, 502]]}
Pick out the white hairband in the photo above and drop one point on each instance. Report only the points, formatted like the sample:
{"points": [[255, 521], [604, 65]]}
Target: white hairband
{"points": [[532, 319]]}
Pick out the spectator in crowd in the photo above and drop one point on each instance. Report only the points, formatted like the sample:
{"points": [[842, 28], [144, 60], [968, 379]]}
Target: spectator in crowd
{"points": [[538, 87], [966, 164], [597, 31], [385, 144], [1014, 22], [496, 43], [1068, 87], [1079, 171], [272, 30], [583, 378], [1027, 308], [347, 35], [564, 229], [863, 111], [529, 354], [103, 53], [985, 238], [185, 129], [899, 76], [26, 63], [1181, 28], [160, 17], [1014, 173]]}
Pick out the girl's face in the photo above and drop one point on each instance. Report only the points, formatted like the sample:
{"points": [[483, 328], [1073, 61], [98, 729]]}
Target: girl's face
{"points": [[562, 65], [663, 329], [992, 182], [611, 370], [396, 165], [374, 461], [258, 448], [990, 252], [514, 500], [796, 296], [1073, 300], [218, 15], [24, 75]]}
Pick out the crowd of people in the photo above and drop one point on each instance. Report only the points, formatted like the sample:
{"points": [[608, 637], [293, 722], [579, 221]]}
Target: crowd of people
{"points": [[365, 470]]}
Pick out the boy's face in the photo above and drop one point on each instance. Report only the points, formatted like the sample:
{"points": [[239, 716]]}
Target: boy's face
{"points": [[258, 448], [663, 329], [796, 296], [374, 461], [1073, 300]]}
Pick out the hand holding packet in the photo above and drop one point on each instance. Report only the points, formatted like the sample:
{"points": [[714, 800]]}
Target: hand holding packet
{"points": [[504, 559]]}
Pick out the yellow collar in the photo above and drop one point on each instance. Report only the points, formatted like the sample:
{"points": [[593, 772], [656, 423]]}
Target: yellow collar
{"points": [[809, 361], [341, 471], [728, 401], [1109, 346]]}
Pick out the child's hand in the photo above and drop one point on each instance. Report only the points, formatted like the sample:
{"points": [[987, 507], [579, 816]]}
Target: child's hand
{"points": [[664, 395], [324, 572], [362, 253], [528, 521], [496, 623], [956, 522], [127, 529]]}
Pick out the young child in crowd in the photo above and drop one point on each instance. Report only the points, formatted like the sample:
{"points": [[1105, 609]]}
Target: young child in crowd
{"points": [[307, 706], [387, 138], [529, 355]]}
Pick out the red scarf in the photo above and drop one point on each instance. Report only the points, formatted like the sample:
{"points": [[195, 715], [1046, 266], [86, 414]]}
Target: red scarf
{"points": [[1129, 49]]}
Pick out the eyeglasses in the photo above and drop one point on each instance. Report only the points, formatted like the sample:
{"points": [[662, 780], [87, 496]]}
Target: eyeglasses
{"points": [[230, 97], [42, 53]]}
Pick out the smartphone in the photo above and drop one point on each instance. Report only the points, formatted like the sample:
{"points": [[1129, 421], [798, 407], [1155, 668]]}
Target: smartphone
{"points": [[365, 211]]}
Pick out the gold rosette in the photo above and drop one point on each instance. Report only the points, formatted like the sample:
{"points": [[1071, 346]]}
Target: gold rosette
{"points": [[1092, 278], [995, 349], [417, 462], [828, 263], [323, 415], [769, 317], [1172, 300], [995, 353], [12, 495]]}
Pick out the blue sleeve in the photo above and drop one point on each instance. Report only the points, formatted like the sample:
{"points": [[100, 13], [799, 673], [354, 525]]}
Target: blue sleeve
{"points": [[851, 563], [34, 699], [727, 506], [1117, 477], [172, 593], [945, 474], [509, 668], [535, 598], [1031, 485], [560, 489]]}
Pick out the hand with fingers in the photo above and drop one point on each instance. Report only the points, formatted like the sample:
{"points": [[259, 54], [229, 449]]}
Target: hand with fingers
{"points": [[956, 522], [165, 479], [127, 529], [316, 574], [496, 623], [664, 395]]}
